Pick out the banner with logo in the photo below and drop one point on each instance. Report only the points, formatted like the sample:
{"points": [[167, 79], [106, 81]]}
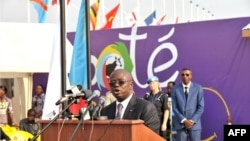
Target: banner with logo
{"points": [[215, 51]]}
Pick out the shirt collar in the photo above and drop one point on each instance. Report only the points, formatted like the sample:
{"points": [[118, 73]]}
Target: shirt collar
{"points": [[125, 101], [188, 85]]}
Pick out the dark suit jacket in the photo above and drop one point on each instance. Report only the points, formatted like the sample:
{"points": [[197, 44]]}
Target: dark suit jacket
{"points": [[190, 109], [137, 109]]}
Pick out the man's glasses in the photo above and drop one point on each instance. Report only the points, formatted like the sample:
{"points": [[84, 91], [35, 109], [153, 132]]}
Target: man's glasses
{"points": [[184, 74], [120, 82]]}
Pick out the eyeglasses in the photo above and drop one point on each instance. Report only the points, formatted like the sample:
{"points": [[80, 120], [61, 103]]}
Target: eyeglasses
{"points": [[120, 82], [184, 74]]}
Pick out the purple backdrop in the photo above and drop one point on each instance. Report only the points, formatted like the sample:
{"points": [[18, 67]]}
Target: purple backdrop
{"points": [[214, 50], [39, 78]]}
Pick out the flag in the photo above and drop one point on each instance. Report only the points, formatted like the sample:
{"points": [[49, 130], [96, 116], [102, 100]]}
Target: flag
{"points": [[149, 20], [161, 20], [93, 13], [54, 2], [132, 18], [110, 17], [79, 64], [53, 89], [41, 7]]}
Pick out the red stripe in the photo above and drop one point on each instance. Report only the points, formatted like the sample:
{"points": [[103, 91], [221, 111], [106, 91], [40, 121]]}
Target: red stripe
{"points": [[160, 21], [41, 4], [54, 2]]}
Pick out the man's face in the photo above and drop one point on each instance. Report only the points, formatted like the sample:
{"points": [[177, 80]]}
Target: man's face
{"points": [[31, 117], [2, 92], [121, 85], [170, 87], [39, 90], [186, 76]]}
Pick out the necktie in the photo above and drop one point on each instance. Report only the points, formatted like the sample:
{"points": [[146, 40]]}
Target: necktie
{"points": [[186, 93], [119, 111]]}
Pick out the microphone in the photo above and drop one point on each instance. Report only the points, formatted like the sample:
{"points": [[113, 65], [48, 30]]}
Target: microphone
{"points": [[99, 105], [96, 93], [147, 95], [62, 100], [74, 89], [85, 93]]}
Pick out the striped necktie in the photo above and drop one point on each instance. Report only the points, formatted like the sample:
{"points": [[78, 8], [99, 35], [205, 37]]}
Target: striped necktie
{"points": [[119, 111]]}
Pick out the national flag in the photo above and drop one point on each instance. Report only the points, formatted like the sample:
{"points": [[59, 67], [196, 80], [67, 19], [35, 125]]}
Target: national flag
{"points": [[79, 64], [149, 20], [53, 89], [54, 2], [110, 17], [161, 20], [41, 7], [93, 13], [132, 18]]}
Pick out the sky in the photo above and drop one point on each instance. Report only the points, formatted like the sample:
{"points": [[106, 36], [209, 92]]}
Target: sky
{"points": [[184, 10]]}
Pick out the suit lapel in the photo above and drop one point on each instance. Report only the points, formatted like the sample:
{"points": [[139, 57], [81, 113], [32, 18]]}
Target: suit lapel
{"points": [[182, 93], [191, 91], [113, 110], [130, 108]]}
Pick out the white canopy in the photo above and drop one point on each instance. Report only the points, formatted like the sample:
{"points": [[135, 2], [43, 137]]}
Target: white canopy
{"points": [[27, 48]]}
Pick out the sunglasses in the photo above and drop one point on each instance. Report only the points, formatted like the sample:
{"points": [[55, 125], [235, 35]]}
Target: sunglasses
{"points": [[120, 82], [184, 74]]}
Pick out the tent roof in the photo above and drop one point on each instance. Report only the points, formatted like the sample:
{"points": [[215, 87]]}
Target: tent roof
{"points": [[26, 47]]}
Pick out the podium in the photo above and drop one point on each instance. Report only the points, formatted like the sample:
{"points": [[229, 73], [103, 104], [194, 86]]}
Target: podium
{"points": [[99, 130]]}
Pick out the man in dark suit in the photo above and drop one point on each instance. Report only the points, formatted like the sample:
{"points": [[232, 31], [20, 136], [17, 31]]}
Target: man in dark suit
{"points": [[133, 108], [188, 106]]}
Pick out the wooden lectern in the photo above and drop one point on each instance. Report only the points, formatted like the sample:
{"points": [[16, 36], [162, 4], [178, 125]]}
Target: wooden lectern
{"points": [[99, 130]]}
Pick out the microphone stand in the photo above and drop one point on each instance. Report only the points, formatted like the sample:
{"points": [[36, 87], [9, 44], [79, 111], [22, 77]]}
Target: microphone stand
{"points": [[79, 123], [39, 133]]}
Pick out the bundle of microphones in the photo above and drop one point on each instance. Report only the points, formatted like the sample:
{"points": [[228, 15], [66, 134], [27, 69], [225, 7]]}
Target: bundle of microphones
{"points": [[87, 95]]}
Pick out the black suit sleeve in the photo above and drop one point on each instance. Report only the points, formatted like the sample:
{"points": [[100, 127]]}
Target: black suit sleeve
{"points": [[150, 117]]}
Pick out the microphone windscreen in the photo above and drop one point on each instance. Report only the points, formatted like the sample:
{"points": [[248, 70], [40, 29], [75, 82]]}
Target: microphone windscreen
{"points": [[97, 93], [87, 93]]}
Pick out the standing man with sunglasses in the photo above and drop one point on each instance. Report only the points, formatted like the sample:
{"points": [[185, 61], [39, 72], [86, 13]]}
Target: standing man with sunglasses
{"points": [[188, 106], [127, 105]]}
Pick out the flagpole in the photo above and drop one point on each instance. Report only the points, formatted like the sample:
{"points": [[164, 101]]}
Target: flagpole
{"points": [[28, 11], [183, 11], [87, 44], [174, 10], [191, 11], [208, 15], [204, 12], [152, 5], [63, 46], [197, 12], [138, 12], [103, 12], [121, 13], [164, 7]]}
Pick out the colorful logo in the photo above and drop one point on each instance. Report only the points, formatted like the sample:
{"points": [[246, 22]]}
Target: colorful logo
{"points": [[112, 57]]}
